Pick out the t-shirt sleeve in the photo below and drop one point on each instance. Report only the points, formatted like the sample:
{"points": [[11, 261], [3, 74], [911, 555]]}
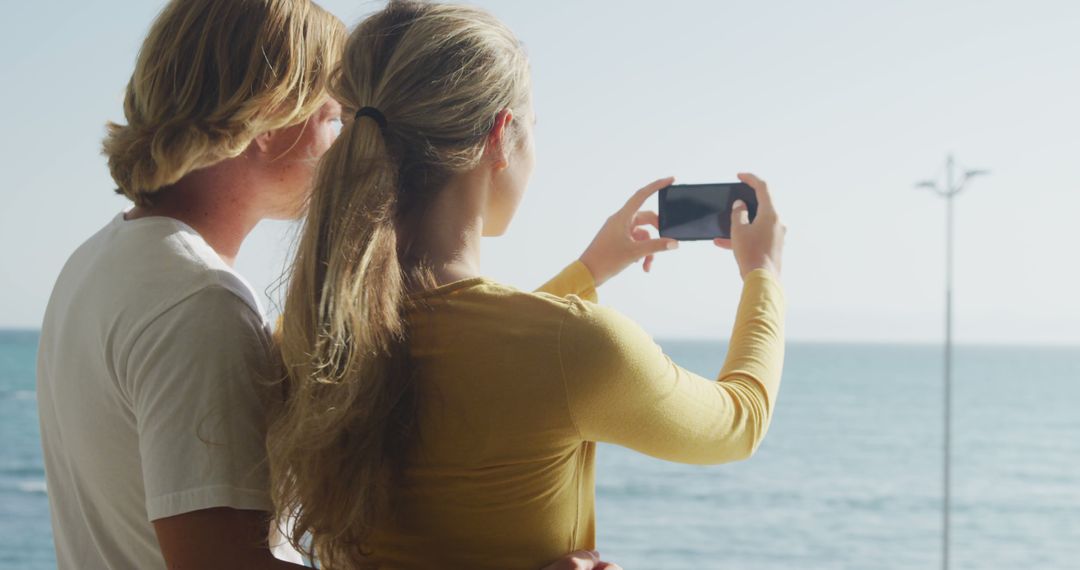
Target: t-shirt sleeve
{"points": [[622, 388], [574, 279], [194, 377]]}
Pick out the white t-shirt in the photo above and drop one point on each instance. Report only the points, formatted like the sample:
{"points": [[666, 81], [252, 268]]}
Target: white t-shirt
{"points": [[151, 371]]}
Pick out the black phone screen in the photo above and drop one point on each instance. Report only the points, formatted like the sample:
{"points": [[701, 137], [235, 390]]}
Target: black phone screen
{"points": [[702, 211]]}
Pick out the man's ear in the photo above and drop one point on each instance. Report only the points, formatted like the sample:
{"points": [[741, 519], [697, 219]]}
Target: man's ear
{"points": [[496, 148], [264, 142]]}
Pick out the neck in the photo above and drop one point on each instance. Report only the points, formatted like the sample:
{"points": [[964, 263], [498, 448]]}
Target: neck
{"points": [[218, 202], [450, 232]]}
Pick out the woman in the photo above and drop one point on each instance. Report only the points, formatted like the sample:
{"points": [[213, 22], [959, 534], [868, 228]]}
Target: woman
{"points": [[435, 417]]}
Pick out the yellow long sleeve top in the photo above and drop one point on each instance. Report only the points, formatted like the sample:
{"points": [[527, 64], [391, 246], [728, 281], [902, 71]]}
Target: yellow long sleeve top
{"points": [[516, 388]]}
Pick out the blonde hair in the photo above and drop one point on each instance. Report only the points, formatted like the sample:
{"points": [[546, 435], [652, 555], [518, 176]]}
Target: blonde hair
{"points": [[212, 75], [440, 74]]}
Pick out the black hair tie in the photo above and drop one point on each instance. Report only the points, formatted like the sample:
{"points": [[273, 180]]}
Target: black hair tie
{"points": [[373, 113]]}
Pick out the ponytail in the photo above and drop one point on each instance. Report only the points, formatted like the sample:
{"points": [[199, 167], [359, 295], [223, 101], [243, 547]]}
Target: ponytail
{"points": [[350, 403], [440, 73]]}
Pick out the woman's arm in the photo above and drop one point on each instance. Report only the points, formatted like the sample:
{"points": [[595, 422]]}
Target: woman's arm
{"points": [[621, 388], [574, 279]]}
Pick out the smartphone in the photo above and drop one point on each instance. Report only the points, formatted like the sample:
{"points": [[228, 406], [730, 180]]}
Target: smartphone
{"points": [[702, 211]]}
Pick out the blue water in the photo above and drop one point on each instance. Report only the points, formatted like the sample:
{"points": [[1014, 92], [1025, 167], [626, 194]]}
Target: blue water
{"points": [[25, 534], [848, 477]]}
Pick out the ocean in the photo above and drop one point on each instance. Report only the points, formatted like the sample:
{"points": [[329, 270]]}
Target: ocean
{"points": [[849, 476]]}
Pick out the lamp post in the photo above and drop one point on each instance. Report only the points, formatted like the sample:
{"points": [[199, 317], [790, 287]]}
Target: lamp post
{"points": [[951, 189]]}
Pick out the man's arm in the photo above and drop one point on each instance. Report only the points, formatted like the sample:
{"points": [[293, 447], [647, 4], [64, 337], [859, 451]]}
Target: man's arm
{"points": [[215, 538], [232, 539], [195, 378]]}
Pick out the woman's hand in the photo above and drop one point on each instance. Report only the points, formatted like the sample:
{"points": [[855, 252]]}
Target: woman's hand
{"points": [[582, 560], [759, 244], [624, 240]]}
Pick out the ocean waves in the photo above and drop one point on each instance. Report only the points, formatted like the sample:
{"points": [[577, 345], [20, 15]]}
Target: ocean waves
{"points": [[32, 487], [18, 395]]}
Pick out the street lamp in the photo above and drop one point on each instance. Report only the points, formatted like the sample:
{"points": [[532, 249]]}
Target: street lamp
{"points": [[951, 189]]}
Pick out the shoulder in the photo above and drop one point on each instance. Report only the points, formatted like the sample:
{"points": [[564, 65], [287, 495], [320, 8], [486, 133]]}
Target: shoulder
{"points": [[167, 266], [205, 275], [489, 297], [211, 323], [599, 338], [571, 312], [583, 317], [218, 302], [146, 266], [496, 310], [179, 282], [211, 340]]}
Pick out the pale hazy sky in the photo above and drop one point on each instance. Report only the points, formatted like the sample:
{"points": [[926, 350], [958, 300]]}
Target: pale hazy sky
{"points": [[841, 106]]}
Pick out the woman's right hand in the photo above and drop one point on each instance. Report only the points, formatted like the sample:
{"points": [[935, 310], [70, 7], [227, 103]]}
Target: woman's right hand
{"points": [[757, 245], [582, 560]]}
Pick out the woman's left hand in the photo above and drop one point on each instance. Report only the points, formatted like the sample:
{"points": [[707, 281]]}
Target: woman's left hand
{"points": [[624, 240]]}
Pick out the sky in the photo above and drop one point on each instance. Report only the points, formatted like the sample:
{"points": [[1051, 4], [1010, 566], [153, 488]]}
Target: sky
{"points": [[842, 106]]}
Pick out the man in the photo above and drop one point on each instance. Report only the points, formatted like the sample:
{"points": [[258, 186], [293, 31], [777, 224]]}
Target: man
{"points": [[154, 351]]}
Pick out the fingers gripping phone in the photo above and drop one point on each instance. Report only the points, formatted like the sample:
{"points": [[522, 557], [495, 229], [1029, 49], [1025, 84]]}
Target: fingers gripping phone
{"points": [[702, 211]]}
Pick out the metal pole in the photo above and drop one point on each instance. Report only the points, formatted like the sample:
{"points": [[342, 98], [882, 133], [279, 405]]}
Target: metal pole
{"points": [[952, 188], [951, 191]]}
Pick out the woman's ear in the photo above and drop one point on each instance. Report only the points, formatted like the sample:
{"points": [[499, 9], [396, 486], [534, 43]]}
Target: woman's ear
{"points": [[497, 149]]}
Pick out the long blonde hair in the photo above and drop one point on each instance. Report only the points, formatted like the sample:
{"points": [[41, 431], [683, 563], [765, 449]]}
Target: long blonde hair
{"points": [[211, 75], [440, 74]]}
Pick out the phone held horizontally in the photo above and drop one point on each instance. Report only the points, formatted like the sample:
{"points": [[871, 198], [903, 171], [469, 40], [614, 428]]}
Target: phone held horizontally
{"points": [[702, 211]]}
